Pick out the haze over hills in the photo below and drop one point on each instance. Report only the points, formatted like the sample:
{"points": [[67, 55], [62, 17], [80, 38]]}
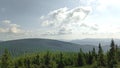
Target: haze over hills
{"points": [[95, 42], [21, 46]]}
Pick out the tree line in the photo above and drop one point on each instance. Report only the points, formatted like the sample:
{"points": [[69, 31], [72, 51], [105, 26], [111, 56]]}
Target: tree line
{"points": [[48, 59]]}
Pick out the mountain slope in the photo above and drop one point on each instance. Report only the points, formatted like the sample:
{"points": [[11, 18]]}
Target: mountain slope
{"points": [[18, 47], [95, 42]]}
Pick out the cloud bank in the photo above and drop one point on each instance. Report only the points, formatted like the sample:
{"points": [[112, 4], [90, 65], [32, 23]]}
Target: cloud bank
{"points": [[65, 21], [7, 27]]}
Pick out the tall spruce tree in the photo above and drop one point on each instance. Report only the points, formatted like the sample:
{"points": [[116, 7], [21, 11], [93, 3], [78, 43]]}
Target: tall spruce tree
{"points": [[117, 52], [94, 55], [101, 60], [47, 59], [112, 61], [27, 62], [5, 60], [61, 63], [93, 52], [80, 59], [90, 58], [37, 60]]}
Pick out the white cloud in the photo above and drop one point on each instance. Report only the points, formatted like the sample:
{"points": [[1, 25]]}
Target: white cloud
{"points": [[3, 30], [64, 20], [7, 27], [6, 21], [90, 27]]}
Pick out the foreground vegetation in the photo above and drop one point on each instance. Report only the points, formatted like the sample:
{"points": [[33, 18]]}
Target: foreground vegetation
{"points": [[91, 59]]}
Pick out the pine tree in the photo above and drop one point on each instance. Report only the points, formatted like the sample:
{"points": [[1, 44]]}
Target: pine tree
{"points": [[5, 60], [47, 59], [19, 62], [80, 59], [61, 63], [53, 64], [90, 58], [101, 59], [27, 62], [36, 60], [16, 65], [94, 57], [94, 54], [112, 61], [117, 53]]}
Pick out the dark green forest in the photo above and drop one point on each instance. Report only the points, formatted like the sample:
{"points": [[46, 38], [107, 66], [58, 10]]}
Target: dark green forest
{"points": [[53, 59]]}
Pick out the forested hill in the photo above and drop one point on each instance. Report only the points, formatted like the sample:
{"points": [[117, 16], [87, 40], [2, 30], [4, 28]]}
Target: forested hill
{"points": [[95, 41], [21, 46]]}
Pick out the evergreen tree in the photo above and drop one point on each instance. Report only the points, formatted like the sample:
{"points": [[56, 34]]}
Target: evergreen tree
{"points": [[47, 59], [101, 59], [53, 64], [117, 53], [94, 54], [90, 58], [16, 65], [37, 60], [80, 59], [112, 61], [19, 62], [27, 62], [5, 60], [61, 63]]}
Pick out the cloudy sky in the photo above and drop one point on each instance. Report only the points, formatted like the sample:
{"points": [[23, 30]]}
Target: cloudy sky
{"points": [[59, 19]]}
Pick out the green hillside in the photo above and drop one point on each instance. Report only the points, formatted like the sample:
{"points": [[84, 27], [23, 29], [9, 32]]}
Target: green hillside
{"points": [[80, 59], [18, 47]]}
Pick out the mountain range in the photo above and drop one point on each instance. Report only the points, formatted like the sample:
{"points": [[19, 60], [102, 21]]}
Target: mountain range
{"points": [[95, 42], [33, 45], [21, 46]]}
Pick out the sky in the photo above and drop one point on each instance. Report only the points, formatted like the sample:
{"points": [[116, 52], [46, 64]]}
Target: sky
{"points": [[59, 19]]}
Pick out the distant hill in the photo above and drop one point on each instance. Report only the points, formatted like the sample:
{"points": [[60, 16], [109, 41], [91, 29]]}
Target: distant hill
{"points": [[95, 42], [21, 46]]}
